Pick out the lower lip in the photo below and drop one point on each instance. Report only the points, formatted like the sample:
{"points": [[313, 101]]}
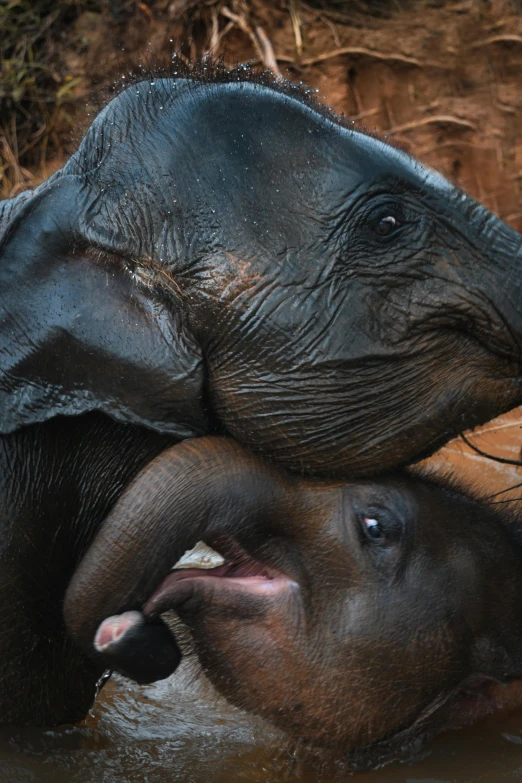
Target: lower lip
{"points": [[256, 583], [171, 594]]}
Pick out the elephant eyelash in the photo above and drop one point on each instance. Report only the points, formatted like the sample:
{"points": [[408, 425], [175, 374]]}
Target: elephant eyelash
{"points": [[152, 276], [146, 273], [143, 276]]}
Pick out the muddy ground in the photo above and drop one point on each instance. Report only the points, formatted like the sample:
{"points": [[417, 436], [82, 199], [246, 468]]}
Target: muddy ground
{"points": [[441, 79]]}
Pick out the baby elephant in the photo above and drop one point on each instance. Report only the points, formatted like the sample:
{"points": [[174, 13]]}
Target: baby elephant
{"points": [[362, 615]]}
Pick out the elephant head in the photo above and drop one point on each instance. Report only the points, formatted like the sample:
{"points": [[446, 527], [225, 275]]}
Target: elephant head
{"points": [[223, 254], [358, 615]]}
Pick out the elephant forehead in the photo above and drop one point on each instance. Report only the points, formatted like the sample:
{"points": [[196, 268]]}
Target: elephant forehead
{"points": [[234, 119], [237, 149]]}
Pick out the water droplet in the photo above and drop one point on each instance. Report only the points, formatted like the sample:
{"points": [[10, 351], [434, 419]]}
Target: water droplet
{"points": [[513, 738], [107, 674]]}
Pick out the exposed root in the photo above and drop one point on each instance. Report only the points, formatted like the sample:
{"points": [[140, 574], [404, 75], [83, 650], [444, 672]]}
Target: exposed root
{"points": [[259, 38], [507, 39], [361, 50], [145, 9], [240, 21], [269, 58], [439, 119], [363, 114], [476, 449], [333, 29], [214, 31], [296, 25]]}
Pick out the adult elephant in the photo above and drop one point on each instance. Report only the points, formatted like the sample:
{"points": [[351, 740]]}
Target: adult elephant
{"points": [[223, 253]]}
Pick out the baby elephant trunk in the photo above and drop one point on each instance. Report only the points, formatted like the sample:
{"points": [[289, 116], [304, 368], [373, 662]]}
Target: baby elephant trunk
{"points": [[198, 489]]}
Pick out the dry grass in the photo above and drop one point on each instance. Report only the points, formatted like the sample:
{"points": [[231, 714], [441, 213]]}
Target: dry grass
{"points": [[46, 77], [32, 91], [37, 92]]}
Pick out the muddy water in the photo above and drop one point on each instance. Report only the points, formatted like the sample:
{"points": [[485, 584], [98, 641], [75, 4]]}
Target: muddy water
{"points": [[179, 730]]}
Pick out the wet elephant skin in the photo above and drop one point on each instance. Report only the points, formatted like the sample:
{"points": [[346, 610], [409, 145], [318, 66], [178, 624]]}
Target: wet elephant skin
{"points": [[58, 481], [221, 251], [364, 615]]}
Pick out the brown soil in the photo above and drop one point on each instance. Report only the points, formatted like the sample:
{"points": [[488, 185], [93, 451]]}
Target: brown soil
{"points": [[439, 78]]}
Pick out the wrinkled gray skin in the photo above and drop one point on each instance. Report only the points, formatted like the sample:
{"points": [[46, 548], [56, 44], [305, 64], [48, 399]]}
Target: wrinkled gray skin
{"points": [[227, 256]]}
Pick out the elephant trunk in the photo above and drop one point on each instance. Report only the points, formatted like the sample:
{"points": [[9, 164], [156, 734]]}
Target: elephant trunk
{"points": [[198, 488]]}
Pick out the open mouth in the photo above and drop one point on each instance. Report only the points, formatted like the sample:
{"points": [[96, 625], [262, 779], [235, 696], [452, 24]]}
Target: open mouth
{"points": [[226, 566]]}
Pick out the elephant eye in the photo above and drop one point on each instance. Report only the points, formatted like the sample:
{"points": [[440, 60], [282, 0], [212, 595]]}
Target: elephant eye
{"points": [[386, 226], [373, 530], [381, 529]]}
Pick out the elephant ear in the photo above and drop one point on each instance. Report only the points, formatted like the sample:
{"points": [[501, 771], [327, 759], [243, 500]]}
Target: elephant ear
{"points": [[77, 333]]}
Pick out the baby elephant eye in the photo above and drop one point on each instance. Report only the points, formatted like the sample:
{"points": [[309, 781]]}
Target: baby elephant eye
{"points": [[386, 226], [373, 529]]}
